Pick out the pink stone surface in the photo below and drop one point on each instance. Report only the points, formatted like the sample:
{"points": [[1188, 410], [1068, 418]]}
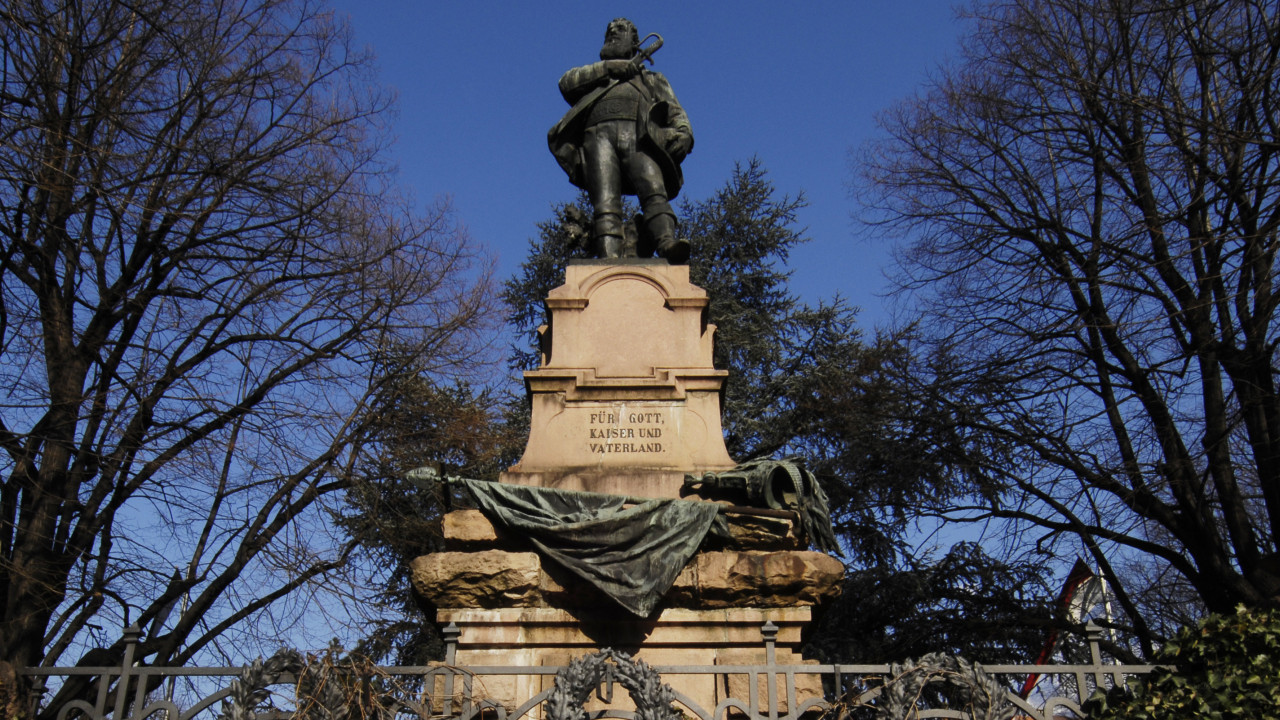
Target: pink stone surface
{"points": [[626, 399]]}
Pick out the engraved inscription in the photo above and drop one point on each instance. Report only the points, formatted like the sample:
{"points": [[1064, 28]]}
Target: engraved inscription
{"points": [[626, 432]]}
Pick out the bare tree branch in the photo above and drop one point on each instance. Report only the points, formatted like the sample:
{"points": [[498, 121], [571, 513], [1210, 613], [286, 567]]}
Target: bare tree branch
{"points": [[206, 277]]}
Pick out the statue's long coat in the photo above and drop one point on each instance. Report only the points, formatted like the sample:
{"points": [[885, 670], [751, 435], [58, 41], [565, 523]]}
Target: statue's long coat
{"points": [[565, 137]]}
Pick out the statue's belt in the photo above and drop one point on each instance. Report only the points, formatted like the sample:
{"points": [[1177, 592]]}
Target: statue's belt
{"points": [[614, 107]]}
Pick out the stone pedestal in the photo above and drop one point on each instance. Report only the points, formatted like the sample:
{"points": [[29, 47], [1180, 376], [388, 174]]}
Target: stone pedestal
{"points": [[626, 400]]}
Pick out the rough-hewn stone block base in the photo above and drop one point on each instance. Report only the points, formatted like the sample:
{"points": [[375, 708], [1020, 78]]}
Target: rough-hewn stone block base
{"points": [[716, 579]]}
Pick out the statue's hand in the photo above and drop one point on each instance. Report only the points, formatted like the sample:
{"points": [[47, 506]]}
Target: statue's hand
{"points": [[621, 69], [677, 144]]}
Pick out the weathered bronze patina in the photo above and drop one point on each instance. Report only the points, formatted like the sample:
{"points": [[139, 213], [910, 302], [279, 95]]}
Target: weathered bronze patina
{"points": [[630, 548], [625, 135], [777, 485]]}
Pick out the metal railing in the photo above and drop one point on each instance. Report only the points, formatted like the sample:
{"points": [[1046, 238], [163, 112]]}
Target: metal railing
{"points": [[448, 691]]}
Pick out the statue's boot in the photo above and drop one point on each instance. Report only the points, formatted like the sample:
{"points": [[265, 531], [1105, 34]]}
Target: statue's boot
{"points": [[609, 246], [608, 233], [663, 230]]}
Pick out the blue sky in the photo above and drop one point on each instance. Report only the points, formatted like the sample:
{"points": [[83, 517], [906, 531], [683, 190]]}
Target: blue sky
{"points": [[797, 85]]}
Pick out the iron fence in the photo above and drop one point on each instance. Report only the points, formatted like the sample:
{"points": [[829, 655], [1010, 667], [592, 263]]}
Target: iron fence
{"points": [[447, 691]]}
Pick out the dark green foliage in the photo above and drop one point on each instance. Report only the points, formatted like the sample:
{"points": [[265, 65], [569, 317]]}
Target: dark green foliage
{"points": [[965, 603], [1225, 666], [742, 236], [881, 453], [455, 427], [783, 356]]}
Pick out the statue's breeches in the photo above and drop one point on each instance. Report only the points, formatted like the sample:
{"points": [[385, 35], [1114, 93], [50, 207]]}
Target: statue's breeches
{"points": [[613, 161]]}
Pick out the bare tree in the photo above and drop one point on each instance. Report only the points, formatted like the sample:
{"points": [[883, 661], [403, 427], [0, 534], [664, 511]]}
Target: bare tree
{"points": [[1094, 192], [205, 279]]}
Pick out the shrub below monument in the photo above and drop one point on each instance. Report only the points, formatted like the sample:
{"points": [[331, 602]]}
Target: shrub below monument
{"points": [[1225, 666]]}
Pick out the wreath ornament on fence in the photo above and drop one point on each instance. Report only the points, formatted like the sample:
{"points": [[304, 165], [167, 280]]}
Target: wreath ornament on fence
{"points": [[574, 684], [325, 687], [982, 697]]}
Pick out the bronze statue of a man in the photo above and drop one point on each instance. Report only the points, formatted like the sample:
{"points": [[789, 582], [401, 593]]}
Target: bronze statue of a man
{"points": [[625, 135]]}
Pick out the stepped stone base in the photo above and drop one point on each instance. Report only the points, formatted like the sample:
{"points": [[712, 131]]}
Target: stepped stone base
{"points": [[539, 637]]}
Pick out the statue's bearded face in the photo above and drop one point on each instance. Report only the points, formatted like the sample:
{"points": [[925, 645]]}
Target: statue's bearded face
{"points": [[619, 42]]}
